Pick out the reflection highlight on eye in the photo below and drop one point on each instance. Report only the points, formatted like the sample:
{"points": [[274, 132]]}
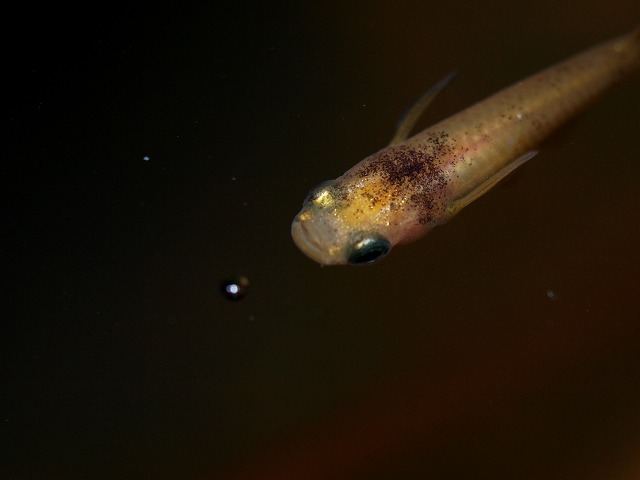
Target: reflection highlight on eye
{"points": [[369, 250]]}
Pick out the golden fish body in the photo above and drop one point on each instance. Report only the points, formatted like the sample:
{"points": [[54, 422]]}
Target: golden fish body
{"points": [[398, 194]]}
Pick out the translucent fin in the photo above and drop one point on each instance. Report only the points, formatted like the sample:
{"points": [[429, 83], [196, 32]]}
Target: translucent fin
{"points": [[489, 183], [411, 117]]}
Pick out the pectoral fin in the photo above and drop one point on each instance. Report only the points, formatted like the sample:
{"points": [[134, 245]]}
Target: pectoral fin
{"points": [[409, 120], [489, 183]]}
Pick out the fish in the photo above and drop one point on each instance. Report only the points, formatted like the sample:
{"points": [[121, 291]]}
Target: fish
{"points": [[401, 192]]}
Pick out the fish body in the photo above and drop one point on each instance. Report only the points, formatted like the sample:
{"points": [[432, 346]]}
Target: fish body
{"points": [[398, 194]]}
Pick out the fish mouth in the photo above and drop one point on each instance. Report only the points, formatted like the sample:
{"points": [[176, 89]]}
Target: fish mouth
{"points": [[306, 242]]}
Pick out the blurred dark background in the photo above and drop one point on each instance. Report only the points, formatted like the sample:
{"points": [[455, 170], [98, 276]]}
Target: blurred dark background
{"points": [[150, 153]]}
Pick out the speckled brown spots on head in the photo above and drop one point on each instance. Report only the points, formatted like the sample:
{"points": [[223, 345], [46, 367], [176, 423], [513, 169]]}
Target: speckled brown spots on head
{"points": [[410, 163], [427, 204], [412, 175]]}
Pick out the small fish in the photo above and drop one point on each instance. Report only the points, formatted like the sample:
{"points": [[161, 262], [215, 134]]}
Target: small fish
{"points": [[398, 194]]}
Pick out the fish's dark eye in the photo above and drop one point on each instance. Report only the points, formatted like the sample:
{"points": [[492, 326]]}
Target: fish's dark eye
{"points": [[369, 250], [316, 191]]}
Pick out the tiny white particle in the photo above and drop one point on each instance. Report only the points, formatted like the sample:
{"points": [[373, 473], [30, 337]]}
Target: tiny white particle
{"points": [[146, 158], [552, 295]]}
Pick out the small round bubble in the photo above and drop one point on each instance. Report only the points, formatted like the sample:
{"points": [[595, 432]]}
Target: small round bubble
{"points": [[234, 288]]}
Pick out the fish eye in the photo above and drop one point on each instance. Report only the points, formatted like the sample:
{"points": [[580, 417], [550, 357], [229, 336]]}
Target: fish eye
{"points": [[317, 191], [369, 250]]}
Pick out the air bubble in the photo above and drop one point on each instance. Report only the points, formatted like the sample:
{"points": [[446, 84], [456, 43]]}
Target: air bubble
{"points": [[235, 288]]}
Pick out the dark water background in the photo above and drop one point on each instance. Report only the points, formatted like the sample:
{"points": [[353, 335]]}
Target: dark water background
{"points": [[504, 345]]}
